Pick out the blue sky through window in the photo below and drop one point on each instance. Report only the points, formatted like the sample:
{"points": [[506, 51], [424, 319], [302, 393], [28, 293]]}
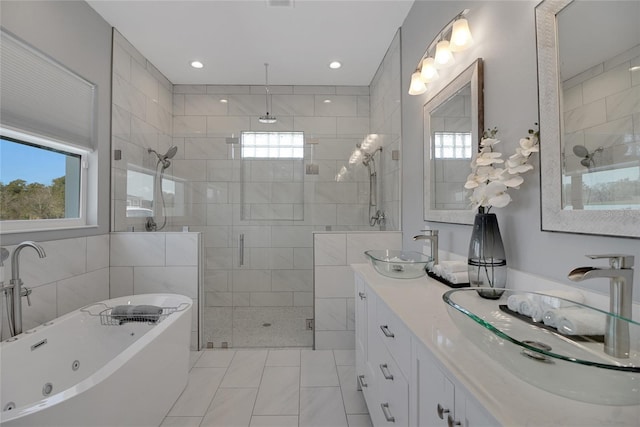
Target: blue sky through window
{"points": [[21, 161]]}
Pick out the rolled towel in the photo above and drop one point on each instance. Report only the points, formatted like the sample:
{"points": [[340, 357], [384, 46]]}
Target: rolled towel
{"points": [[454, 266], [550, 316], [581, 322], [136, 313], [459, 277], [513, 302], [551, 299], [437, 270]]}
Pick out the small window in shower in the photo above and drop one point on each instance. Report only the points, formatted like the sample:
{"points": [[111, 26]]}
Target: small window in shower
{"points": [[272, 176], [273, 145], [452, 145]]}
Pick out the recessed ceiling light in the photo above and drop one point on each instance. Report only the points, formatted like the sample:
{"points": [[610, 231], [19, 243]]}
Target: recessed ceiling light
{"points": [[335, 65], [636, 68], [197, 64], [327, 101], [224, 101]]}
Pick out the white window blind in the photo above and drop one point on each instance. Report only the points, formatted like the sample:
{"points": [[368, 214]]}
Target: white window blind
{"points": [[40, 96]]}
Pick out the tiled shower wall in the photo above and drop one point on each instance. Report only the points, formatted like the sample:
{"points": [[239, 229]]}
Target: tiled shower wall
{"points": [[141, 119], [267, 300], [143, 263], [601, 109], [74, 273], [385, 92], [333, 253]]}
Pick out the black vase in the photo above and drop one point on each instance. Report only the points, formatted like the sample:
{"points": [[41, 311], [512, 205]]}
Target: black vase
{"points": [[487, 263]]}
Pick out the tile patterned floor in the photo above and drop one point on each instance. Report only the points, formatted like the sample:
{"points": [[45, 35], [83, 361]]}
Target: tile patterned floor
{"points": [[279, 388]]}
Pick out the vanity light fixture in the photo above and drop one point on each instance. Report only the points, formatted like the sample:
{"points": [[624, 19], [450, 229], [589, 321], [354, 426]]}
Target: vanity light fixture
{"points": [[197, 64], [428, 70], [417, 86], [443, 57], [454, 37]]}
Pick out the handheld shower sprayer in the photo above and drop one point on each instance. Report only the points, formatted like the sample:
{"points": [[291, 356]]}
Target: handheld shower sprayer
{"points": [[164, 158]]}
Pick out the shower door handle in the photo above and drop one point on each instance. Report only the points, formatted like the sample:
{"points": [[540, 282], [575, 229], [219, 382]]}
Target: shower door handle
{"points": [[241, 249]]}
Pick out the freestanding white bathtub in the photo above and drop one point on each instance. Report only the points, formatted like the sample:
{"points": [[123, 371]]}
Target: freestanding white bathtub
{"points": [[75, 371]]}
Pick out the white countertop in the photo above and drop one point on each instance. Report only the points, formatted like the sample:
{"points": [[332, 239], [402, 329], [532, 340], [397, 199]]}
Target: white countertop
{"points": [[513, 402]]}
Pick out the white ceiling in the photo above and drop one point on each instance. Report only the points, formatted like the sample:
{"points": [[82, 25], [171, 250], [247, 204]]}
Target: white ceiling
{"points": [[235, 38]]}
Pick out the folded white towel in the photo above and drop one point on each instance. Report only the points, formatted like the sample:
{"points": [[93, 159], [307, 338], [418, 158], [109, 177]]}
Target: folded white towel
{"points": [[581, 322], [550, 317], [437, 270], [459, 277], [454, 266]]}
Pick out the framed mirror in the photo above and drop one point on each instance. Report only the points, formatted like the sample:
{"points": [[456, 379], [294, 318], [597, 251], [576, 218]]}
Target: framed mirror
{"points": [[453, 124], [589, 94]]}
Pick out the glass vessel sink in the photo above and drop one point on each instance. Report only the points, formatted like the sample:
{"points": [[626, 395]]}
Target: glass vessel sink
{"points": [[574, 365], [399, 264]]}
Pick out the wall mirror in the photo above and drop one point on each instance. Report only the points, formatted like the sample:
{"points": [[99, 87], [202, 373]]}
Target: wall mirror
{"points": [[453, 123], [589, 94]]}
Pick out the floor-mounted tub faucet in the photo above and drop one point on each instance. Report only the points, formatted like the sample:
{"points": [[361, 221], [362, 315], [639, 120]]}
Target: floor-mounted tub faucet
{"points": [[15, 291], [432, 236], [620, 275]]}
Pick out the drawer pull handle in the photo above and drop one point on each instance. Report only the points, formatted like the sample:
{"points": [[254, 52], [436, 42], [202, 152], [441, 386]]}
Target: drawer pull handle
{"points": [[441, 411], [451, 422], [387, 333], [362, 295], [387, 413], [385, 371], [361, 381]]}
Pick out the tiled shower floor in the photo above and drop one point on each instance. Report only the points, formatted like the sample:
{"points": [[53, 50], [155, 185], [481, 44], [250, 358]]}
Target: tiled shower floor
{"points": [[283, 388]]}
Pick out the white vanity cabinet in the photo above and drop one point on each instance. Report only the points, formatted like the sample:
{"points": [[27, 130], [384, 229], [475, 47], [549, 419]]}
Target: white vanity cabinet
{"points": [[436, 400], [380, 342], [402, 383]]}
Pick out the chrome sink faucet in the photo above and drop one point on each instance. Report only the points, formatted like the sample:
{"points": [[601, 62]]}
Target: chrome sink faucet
{"points": [[620, 274], [15, 291], [432, 236]]}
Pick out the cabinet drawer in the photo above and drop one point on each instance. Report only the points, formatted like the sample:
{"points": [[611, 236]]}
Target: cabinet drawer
{"points": [[395, 336], [393, 392]]}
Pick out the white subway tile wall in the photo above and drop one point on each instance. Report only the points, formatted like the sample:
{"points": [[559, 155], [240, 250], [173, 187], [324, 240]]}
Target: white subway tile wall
{"points": [[74, 273], [142, 119], [600, 107], [143, 263], [276, 276], [334, 284]]}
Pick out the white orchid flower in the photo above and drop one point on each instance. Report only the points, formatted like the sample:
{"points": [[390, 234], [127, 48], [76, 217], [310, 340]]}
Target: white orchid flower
{"points": [[513, 181], [489, 142], [486, 159], [520, 169], [496, 194], [529, 145]]}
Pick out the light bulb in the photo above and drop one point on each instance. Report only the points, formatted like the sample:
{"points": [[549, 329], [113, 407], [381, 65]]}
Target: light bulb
{"points": [[417, 86], [460, 36], [428, 72], [443, 57]]}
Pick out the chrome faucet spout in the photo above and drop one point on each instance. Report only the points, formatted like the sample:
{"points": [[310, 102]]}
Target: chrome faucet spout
{"points": [[432, 236], [16, 291], [620, 275]]}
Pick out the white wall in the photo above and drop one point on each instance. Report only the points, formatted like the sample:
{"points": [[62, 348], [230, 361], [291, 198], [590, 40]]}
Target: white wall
{"points": [[76, 36], [504, 34]]}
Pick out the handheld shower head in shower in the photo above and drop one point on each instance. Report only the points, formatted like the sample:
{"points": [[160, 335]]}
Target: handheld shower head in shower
{"points": [[164, 158]]}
